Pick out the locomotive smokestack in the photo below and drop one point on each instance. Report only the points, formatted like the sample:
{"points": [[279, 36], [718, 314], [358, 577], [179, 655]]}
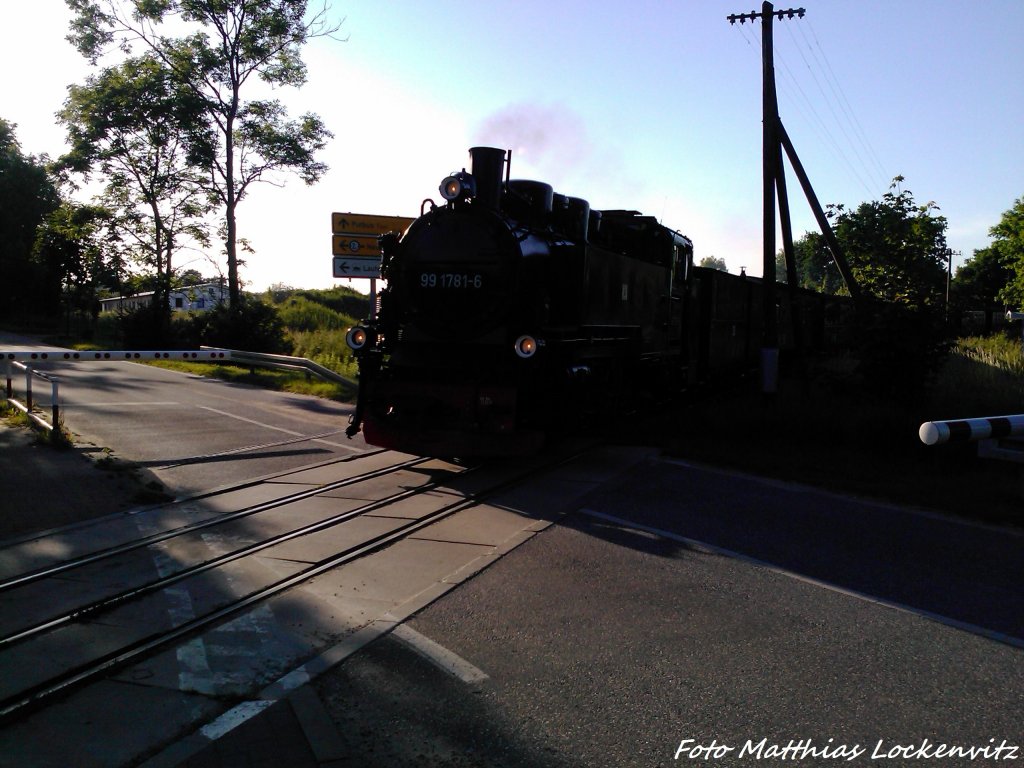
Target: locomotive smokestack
{"points": [[487, 165]]}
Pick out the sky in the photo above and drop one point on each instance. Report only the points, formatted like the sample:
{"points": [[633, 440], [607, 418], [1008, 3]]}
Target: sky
{"points": [[651, 105]]}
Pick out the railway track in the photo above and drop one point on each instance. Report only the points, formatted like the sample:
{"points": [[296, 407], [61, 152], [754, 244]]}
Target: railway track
{"points": [[89, 613]]}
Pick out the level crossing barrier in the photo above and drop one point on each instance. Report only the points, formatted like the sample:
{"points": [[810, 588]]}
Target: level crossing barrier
{"points": [[23, 360], [987, 431]]}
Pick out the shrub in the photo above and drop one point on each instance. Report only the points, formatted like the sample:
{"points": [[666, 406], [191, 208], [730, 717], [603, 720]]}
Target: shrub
{"points": [[252, 325], [148, 327], [900, 351], [299, 313]]}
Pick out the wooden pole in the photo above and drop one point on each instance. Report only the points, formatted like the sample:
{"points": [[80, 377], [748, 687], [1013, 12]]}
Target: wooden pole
{"points": [[770, 154], [819, 214]]}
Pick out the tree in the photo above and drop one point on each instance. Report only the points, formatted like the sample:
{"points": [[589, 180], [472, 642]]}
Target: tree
{"points": [[71, 247], [815, 266], [190, 277], [231, 43], [896, 249], [27, 195], [714, 262], [144, 133], [1008, 244], [979, 282]]}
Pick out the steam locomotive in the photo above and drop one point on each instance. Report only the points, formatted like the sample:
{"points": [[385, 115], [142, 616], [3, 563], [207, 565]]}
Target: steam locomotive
{"points": [[510, 306]]}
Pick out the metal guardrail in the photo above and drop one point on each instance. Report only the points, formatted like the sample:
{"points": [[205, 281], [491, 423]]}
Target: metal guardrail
{"points": [[26, 407], [22, 360], [283, 362]]}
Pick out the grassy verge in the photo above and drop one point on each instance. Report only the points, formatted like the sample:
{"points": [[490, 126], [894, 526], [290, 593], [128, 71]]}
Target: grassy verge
{"points": [[58, 437], [279, 381]]}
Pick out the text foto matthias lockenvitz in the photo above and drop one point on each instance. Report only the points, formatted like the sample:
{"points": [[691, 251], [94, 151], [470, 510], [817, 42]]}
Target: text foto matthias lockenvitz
{"points": [[807, 749]]}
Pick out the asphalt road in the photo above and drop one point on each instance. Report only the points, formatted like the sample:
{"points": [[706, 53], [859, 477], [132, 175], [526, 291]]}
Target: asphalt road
{"points": [[683, 616], [623, 644], [187, 430]]}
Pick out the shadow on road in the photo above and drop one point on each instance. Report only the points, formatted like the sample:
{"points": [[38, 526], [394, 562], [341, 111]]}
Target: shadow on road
{"points": [[963, 573]]}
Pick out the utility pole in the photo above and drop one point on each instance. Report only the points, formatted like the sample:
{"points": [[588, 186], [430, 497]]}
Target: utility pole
{"points": [[950, 253], [772, 167], [774, 141]]}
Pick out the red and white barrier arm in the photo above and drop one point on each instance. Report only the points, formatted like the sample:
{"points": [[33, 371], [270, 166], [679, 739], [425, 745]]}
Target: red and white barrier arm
{"points": [[965, 430], [121, 354]]}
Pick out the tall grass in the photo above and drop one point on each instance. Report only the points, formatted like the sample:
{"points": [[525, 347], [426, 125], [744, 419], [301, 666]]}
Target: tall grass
{"points": [[315, 324], [326, 347], [999, 351], [300, 313], [984, 376]]}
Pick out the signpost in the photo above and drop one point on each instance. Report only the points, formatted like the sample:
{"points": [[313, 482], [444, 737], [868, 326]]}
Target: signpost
{"points": [[367, 224], [357, 266], [355, 245], [344, 245]]}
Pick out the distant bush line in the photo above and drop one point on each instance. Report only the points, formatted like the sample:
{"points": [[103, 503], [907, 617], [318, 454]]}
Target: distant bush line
{"points": [[300, 322]]}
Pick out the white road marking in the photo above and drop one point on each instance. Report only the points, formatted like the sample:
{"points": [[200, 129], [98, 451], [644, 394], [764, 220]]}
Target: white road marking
{"points": [[117, 404], [233, 718], [270, 426], [439, 656]]}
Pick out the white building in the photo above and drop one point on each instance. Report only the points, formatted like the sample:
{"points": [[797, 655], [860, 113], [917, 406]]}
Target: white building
{"points": [[193, 298]]}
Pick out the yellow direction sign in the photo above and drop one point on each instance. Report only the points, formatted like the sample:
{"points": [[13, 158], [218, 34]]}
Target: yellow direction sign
{"points": [[367, 224], [354, 245]]}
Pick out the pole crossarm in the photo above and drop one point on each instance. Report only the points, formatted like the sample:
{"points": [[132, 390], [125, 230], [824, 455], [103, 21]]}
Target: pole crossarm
{"points": [[742, 18]]}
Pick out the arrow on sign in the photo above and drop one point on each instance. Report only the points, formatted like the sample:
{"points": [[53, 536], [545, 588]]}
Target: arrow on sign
{"points": [[357, 266], [348, 244]]}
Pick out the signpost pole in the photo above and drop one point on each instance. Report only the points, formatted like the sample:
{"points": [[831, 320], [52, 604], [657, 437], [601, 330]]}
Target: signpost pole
{"points": [[373, 298]]}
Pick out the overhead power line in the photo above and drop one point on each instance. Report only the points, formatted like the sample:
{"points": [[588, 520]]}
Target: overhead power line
{"points": [[850, 111], [819, 124], [839, 129]]}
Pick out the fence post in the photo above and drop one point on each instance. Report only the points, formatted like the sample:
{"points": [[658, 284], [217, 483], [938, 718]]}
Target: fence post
{"points": [[10, 382], [56, 402], [28, 388]]}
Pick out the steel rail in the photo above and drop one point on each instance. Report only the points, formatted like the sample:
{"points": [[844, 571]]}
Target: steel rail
{"points": [[36, 695], [156, 538], [141, 590]]}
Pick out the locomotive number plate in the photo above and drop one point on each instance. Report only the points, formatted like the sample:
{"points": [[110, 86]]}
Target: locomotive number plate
{"points": [[455, 280]]}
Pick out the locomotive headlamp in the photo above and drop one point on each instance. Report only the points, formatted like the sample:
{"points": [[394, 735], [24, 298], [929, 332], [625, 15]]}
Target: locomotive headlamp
{"points": [[458, 186], [356, 338], [526, 346]]}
